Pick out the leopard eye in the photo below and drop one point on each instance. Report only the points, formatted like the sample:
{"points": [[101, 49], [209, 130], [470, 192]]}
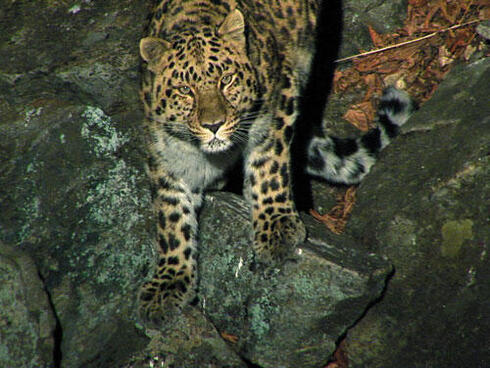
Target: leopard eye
{"points": [[185, 90], [227, 79]]}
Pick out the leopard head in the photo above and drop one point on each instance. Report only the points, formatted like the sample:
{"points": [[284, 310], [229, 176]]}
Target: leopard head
{"points": [[204, 88]]}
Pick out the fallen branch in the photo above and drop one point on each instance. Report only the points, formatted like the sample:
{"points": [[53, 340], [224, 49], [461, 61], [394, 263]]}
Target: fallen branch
{"points": [[407, 42]]}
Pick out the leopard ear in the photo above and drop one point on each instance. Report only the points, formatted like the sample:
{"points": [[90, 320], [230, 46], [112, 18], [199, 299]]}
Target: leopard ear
{"points": [[233, 28], [152, 49]]}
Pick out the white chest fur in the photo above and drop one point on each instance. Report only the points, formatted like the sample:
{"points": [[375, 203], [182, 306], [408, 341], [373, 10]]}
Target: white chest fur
{"points": [[197, 169]]}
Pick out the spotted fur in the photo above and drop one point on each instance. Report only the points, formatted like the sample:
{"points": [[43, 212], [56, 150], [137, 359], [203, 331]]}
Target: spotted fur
{"points": [[347, 161], [221, 83]]}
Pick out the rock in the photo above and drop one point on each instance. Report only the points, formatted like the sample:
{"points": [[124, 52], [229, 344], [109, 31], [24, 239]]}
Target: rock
{"points": [[290, 317], [75, 207], [77, 201], [191, 342], [79, 210], [426, 207], [383, 16], [27, 324]]}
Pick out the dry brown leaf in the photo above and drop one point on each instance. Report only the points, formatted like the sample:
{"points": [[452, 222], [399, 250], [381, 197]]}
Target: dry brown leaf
{"points": [[334, 224], [230, 338], [374, 85], [389, 67], [430, 15], [344, 79], [360, 115], [376, 37], [468, 51], [337, 217], [445, 57], [340, 359]]}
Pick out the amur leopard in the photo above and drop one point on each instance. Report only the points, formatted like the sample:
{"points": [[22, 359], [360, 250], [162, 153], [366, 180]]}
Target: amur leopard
{"points": [[221, 83]]}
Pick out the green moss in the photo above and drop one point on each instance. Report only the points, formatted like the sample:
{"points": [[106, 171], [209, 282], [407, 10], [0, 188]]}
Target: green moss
{"points": [[454, 233]]}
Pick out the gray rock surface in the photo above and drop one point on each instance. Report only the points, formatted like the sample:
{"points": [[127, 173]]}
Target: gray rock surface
{"points": [[74, 209], [383, 16], [74, 194], [27, 323], [288, 317], [429, 215]]}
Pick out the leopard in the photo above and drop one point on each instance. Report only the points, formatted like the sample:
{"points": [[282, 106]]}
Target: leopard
{"points": [[221, 84]]}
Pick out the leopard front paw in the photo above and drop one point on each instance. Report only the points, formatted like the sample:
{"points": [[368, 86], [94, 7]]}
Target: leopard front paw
{"points": [[276, 239], [161, 301]]}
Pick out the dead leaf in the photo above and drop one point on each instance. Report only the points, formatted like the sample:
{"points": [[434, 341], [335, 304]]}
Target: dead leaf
{"points": [[230, 338], [445, 57], [376, 37], [336, 219], [468, 51], [340, 359], [360, 115]]}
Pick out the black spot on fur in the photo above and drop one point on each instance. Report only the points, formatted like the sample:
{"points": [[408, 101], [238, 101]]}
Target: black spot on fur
{"points": [[290, 106], [279, 123], [163, 244], [281, 198], [278, 148], [173, 242], [148, 98], [169, 200], [173, 260], [186, 230], [372, 140], [267, 200], [390, 128], [274, 168], [174, 217], [284, 175], [146, 297], [344, 146], [161, 219], [288, 134], [264, 187], [158, 14], [274, 185], [259, 162]]}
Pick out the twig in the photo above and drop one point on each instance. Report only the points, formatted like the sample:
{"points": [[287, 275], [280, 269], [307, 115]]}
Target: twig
{"points": [[406, 42]]}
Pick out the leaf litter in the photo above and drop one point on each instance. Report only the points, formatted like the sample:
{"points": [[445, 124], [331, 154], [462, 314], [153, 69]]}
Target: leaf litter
{"points": [[415, 58]]}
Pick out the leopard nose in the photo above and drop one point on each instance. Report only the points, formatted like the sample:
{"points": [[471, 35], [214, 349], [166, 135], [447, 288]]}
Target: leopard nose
{"points": [[213, 127]]}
